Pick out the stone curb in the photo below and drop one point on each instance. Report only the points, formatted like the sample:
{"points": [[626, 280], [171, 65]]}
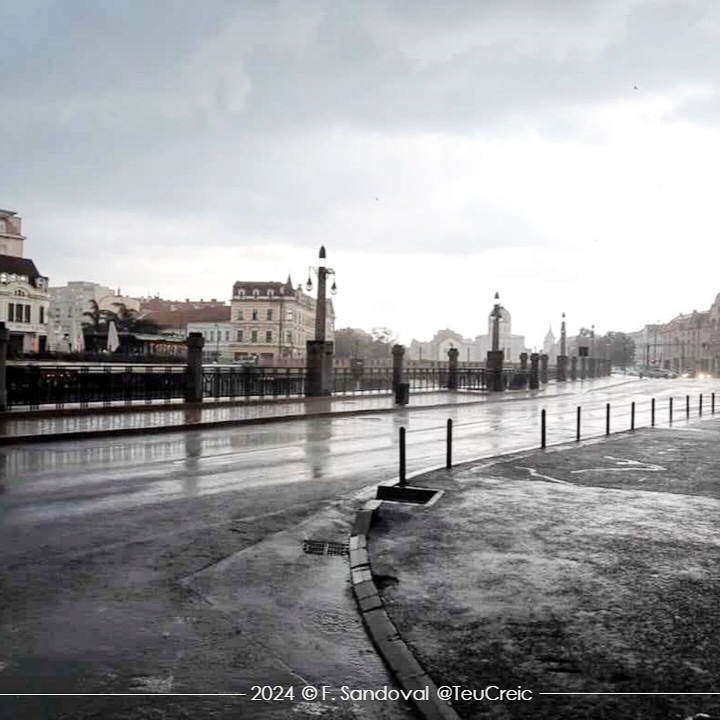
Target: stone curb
{"points": [[408, 673]]}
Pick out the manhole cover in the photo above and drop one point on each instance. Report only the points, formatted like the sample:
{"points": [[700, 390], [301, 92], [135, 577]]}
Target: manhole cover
{"points": [[323, 547]]}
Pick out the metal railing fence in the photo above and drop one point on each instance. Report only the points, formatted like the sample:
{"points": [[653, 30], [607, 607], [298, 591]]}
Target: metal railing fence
{"points": [[36, 385], [250, 381]]}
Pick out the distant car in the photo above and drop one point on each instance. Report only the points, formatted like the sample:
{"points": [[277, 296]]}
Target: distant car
{"points": [[697, 374], [657, 372]]}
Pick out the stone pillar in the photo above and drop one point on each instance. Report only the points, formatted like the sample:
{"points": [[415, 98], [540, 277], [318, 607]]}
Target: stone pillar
{"points": [[398, 355], [592, 367], [194, 383], [519, 380], [534, 376], [544, 369], [583, 368], [4, 337], [573, 367], [319, 368], [452, 382], [562, 368], [495, 371]]}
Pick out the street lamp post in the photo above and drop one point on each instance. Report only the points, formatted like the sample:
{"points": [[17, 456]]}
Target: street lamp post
{"points": [[495, 356], [562, 357], [319, 350]]}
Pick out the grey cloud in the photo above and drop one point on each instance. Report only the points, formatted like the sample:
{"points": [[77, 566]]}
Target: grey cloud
{"points": [[165, 106]]}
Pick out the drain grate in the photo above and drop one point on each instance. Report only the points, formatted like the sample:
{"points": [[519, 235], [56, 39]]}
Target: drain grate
{"points": [[324, 547]]}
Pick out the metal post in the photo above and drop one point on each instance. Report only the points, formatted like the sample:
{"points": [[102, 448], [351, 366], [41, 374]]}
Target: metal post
{"points": [[712, 404], [607, 419], [687, 406], [577, 431], [448, 453], [700, 406], [542, 429], [671, 412], [632, 415], [652, 413], [403, 481]]}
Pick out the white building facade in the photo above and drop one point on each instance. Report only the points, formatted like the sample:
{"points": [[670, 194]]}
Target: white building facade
{"points": [[68, 303], [471, 350], [217, 337], [24, 297], [272, 322]]}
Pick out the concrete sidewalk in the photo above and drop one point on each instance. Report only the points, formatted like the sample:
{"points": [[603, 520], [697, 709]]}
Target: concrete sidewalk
{"points": [[583, 571], [74, 423]]}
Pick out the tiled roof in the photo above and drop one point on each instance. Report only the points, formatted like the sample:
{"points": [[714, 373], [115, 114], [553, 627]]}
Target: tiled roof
{"points": [[180, 318], [157, 304], [19, 266], [691, 320], [249, 287]]}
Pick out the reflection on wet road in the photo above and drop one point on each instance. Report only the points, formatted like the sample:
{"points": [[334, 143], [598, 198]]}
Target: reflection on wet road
{"points": [[55, 480]]}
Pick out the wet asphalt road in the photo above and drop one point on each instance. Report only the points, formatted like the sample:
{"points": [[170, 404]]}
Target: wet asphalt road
{"points": [[174, 563]]}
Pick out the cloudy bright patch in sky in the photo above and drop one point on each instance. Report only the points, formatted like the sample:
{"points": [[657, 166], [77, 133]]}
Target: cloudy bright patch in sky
{"points": [[564, 153]]}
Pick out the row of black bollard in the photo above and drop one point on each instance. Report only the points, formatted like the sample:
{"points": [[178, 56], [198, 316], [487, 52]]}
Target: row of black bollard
{"points": [[543, 428], [543, 416]]}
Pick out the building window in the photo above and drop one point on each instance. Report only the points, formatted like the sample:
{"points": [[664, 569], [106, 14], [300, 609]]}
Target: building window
{"points": [[11, 312], [253, 336], [254, 314], [270, 293], [288, 337], [212, 335], [42, 315], [239, 335], [227, 336], [256, 293], [240, 315], [268, 336], [269, 314]]}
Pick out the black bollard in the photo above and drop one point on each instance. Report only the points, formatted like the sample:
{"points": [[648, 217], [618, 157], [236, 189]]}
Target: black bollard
{"points": [[403, 481], [577, 430], [448, 449], [607, 419], [652, 413], [687, 406], [700, 406], [712, 403], [542, 429], [632, 415], [670, 410]]}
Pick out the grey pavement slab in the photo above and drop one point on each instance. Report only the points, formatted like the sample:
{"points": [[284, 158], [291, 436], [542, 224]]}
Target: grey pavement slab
{"points": [[591, 569]]}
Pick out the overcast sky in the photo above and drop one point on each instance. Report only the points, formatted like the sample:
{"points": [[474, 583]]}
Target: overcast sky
{"points": [[565, 153]]}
